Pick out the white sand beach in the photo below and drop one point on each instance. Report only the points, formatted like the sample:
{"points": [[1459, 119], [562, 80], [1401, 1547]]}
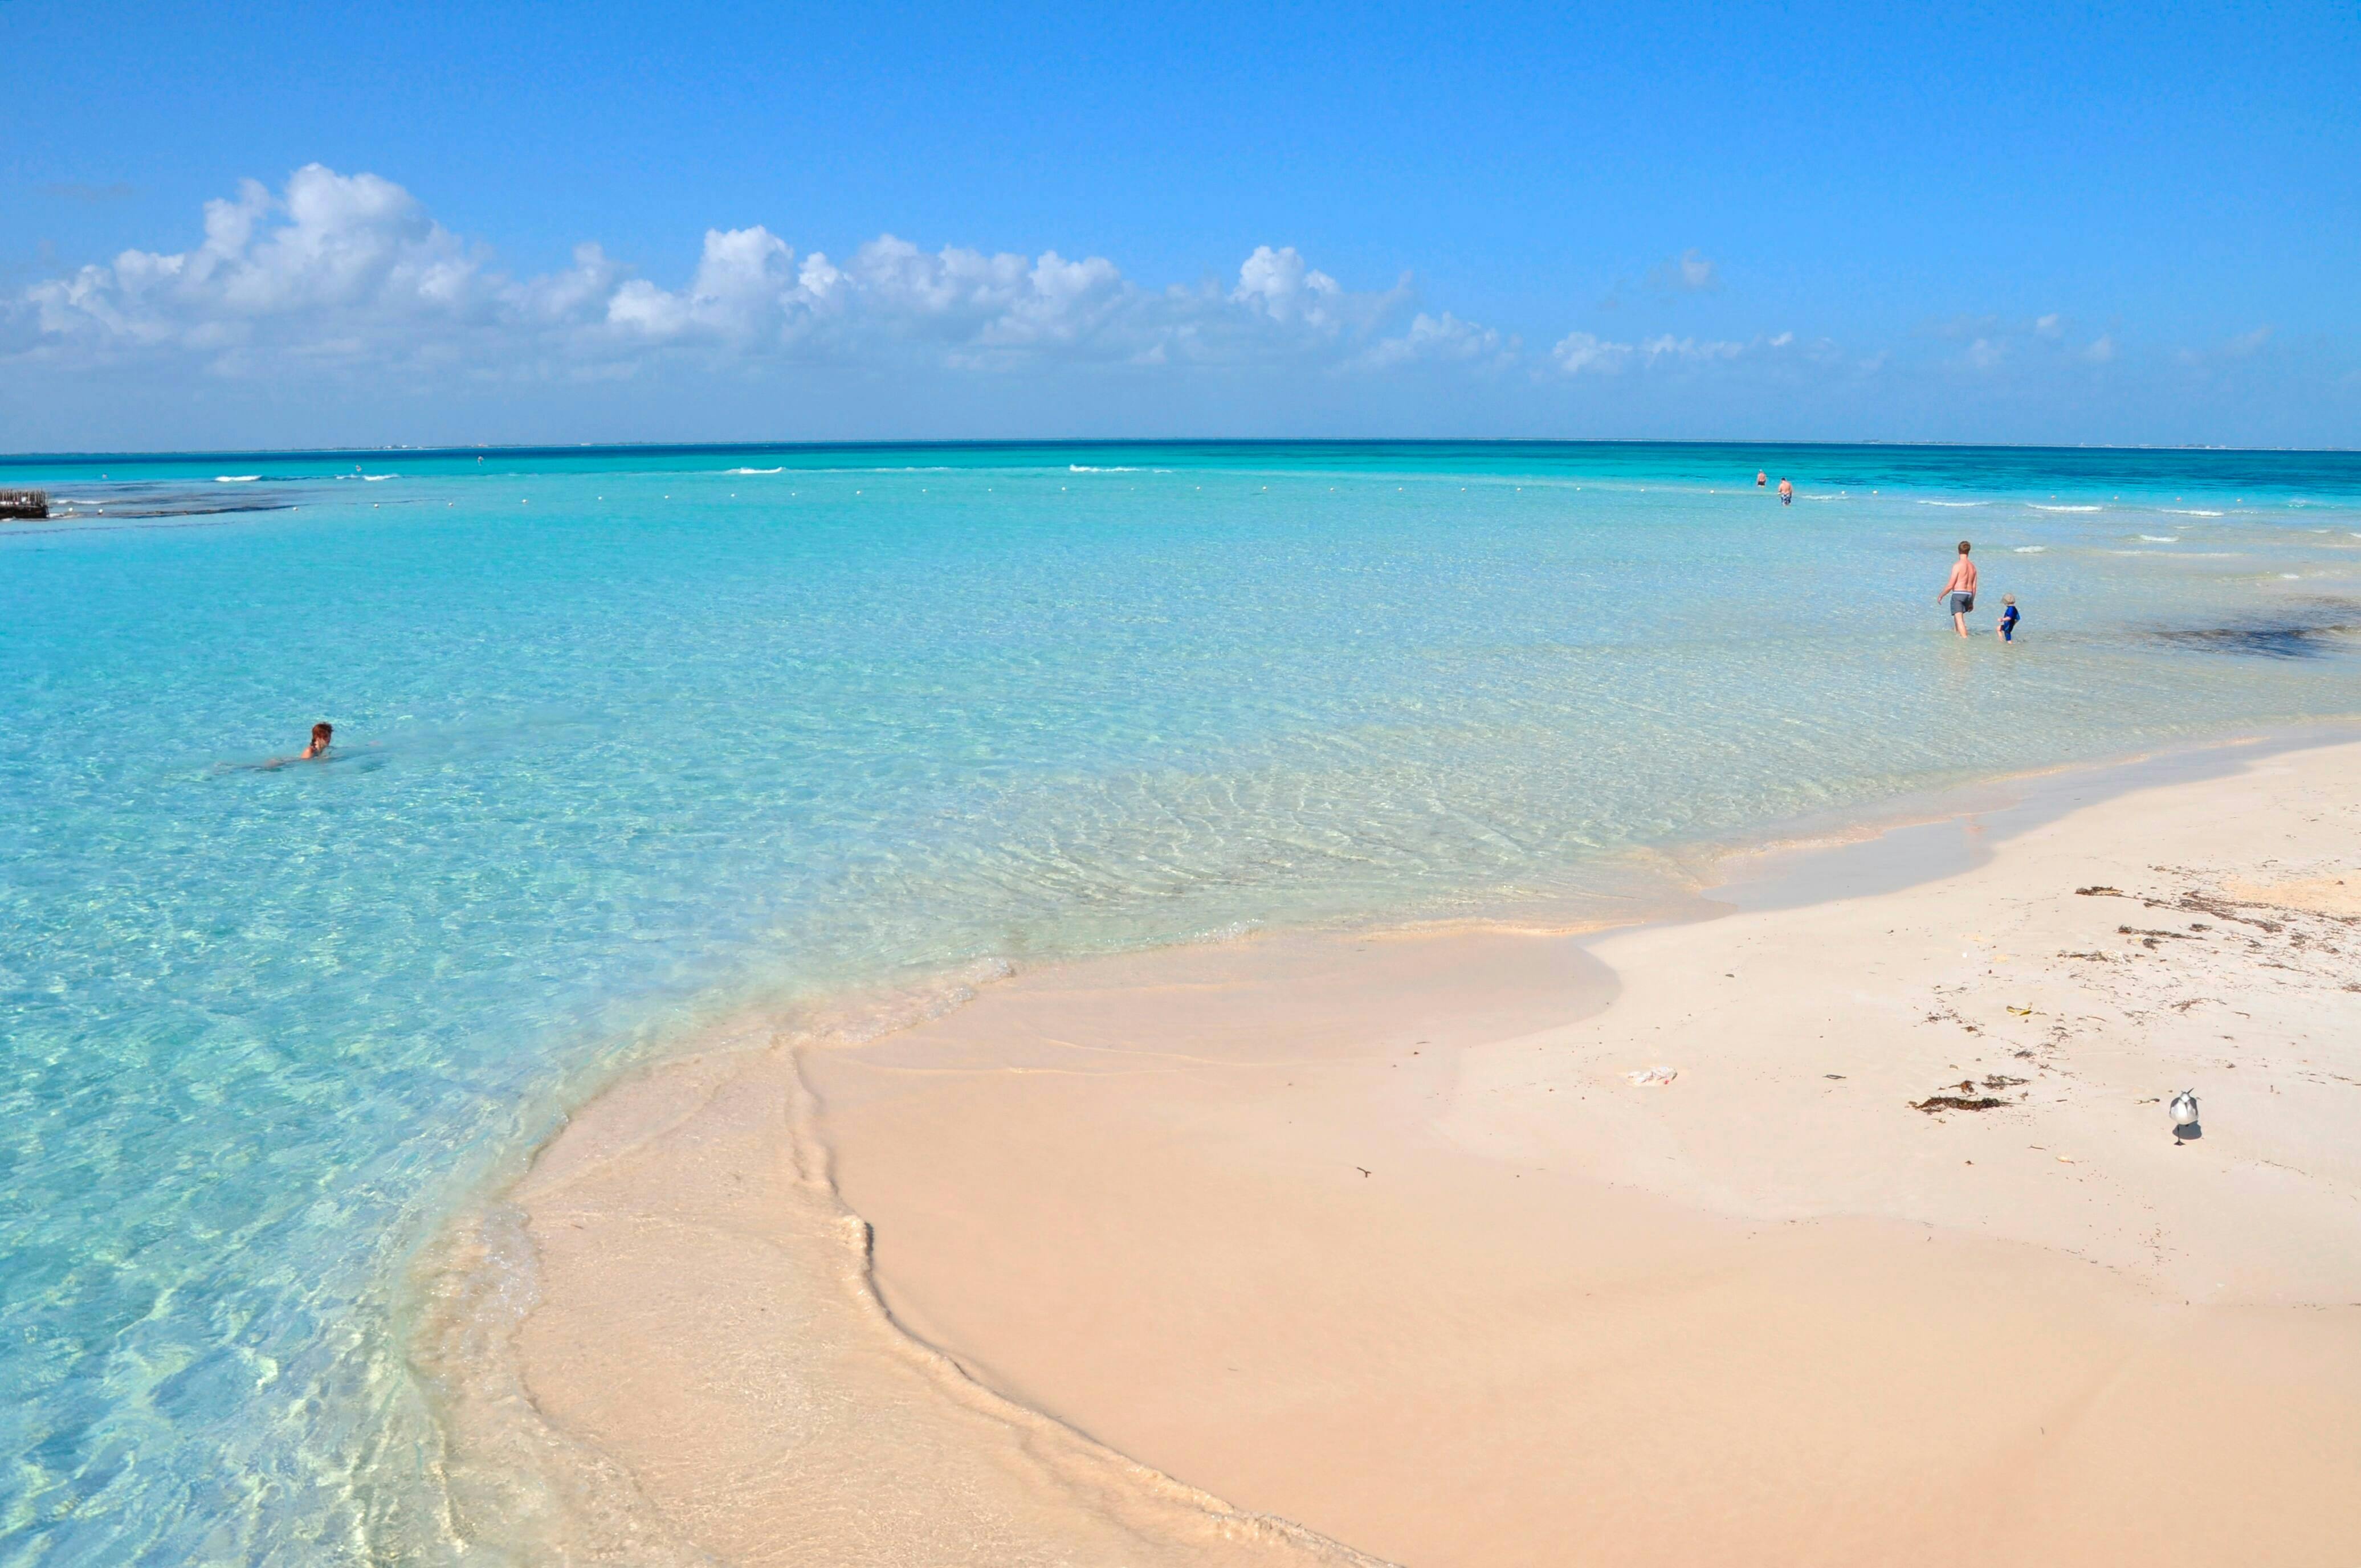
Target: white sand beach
{"points": [[1310, 1246]]}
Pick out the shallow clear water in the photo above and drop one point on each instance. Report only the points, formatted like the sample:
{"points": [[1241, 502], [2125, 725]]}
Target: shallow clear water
{"points": [[630, 739]]}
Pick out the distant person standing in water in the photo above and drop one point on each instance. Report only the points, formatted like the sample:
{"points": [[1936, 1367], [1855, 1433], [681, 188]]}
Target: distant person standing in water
{"points": [[2007, 628], [1960, 591], [1786, 492], [1761, 477]]}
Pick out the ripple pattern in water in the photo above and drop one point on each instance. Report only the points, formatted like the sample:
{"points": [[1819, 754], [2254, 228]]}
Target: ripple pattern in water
{"points": [[629, 741]]}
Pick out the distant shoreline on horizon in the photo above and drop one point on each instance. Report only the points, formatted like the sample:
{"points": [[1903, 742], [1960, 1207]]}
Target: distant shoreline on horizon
{"points": [[693, 448]]}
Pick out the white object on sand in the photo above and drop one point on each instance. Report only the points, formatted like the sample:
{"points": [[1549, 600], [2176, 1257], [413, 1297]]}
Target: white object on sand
{"points": [[1652, 1077], [2184, 1108]]}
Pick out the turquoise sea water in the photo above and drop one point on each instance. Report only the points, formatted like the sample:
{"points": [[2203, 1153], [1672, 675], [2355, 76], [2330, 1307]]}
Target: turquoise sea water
{"points": [[629, 740]]}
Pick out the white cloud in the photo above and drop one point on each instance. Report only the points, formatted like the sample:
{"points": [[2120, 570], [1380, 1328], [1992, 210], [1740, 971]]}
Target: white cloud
{"points": [[1667, 347], [1443, 339], [333, 251], [746, 281], [1279, 284], [1990, 342], [2246, 343], [350, 268], [1690, 271], [1579, 351]]}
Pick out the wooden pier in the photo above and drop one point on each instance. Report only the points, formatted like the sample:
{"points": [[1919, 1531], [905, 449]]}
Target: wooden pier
{"points": [[23, 503]]}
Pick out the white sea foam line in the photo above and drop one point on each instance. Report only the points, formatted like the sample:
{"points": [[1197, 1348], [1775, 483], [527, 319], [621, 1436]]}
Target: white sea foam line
{"points": [[2182, 511], [2029, 549], [2038, 506], [778, 470], [2161, 538], [1085, 468], [1925, 503], [236, 479]]}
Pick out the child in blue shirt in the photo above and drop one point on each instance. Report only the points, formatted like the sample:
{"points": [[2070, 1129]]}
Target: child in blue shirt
{"points": [[2008, 617]]}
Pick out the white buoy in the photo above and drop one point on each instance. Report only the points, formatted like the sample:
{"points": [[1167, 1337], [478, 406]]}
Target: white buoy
{"points": [[2184, 1109]]}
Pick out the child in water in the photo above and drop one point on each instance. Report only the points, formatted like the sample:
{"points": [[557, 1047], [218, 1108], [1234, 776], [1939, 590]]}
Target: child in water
{"points": [[322, 736], [2007, 626]]}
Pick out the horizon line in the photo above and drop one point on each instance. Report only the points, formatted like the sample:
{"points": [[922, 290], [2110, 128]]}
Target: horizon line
{"points": [[550, 448]]}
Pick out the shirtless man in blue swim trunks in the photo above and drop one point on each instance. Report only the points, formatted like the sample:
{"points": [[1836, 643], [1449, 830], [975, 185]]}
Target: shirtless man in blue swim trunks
{"points": [[1961, 590]]}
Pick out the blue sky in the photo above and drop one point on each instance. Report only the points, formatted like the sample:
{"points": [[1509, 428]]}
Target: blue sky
{"points": [[2089, 225]]}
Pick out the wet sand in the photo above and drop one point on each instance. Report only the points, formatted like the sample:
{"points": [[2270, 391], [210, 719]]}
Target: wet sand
{"points": [[1372, 1234]]}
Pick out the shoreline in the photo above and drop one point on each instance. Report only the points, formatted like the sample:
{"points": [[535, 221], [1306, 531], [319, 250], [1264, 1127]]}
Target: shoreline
{"points": [[1821, 872]]}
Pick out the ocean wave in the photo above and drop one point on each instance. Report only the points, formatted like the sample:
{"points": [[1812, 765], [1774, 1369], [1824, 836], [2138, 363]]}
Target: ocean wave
{"points": [[1925, 503], [2161, 538], [236, 479], [778, 470], [2038, 506], [2029, 549], [1086, 468], [2181, 511]]}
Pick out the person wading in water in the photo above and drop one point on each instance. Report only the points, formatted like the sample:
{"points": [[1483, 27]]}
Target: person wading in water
{"points": [[1961, 590]]}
